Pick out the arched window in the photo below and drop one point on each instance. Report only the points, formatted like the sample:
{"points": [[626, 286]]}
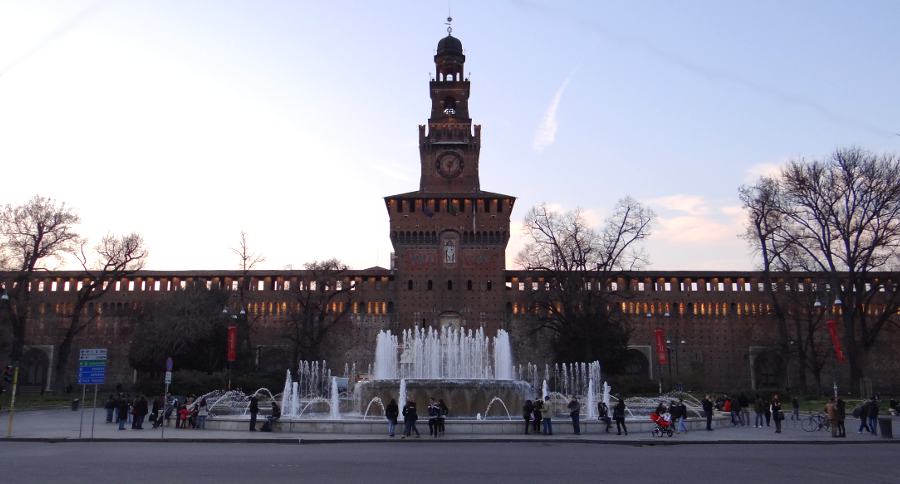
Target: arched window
{"points": [[409, 285], [429, 284]]}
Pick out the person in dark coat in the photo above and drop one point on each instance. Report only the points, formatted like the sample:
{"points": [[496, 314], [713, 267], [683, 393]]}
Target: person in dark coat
{"points": [[675, 413], [872, 414], [527, 410], [122, 409], [139, 411], [442, 416], [619, 416], [410, 416], [708, 411], [547, 417], [434, 411], [575, 412], [254, 410], [154, 412], [603, 414], [391, 412], [841, 415], [777, 413], [538, 414], [110, 408]]}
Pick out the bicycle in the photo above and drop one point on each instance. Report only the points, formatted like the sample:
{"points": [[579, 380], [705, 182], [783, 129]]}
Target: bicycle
{"points": [[816, 422]]}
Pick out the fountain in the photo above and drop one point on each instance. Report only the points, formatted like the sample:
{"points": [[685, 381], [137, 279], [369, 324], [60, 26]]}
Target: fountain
{"points": [[335, 402]]}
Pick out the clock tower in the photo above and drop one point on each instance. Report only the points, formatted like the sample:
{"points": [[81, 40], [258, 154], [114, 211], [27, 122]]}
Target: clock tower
{"points": [[449, 236]]}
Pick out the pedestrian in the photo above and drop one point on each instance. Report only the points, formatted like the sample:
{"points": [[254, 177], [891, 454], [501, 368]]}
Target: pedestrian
{"points": [[254, 410], [745, 409], [202, 413], [391, 413], [737, 417], [139, 410], [527, 410], [547, 417], [777, 414], [122, 413], [442, 416], [273, 416], [409, 420], [759, 410], [619, 416], [575, 414], [674, 414], [861, 412], [795, 409], [872, 414], [110, 408], [708, 411], [831, 412], [682, 410], [433, 411], [603, 414], [842, 415], [154, 413], [538, 413], [768, 415]]}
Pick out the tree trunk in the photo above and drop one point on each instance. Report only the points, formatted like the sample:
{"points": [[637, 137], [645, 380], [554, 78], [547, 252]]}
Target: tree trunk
{"points": [[62, 361]]}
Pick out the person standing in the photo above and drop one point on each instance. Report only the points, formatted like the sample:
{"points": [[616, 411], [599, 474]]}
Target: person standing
{"points": [[538, 413], [202, 413], [575, 414], [410, 416], [861, 412], [139, 409], [603, 414], [745, 409], [831, 411], [527, 410], [442, 416], [737, 417], [122, 410], [110, 408], [777, 414], [872, 414], [619, 416], [391, 413], [547, 417], [433, 412], [795, 409], [708, 411], [842, 415], [254, 410], [760, 410]]}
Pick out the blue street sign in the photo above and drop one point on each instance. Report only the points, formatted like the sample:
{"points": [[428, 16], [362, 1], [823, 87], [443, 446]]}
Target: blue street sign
{"points": [[92, 366], [169, 364]]}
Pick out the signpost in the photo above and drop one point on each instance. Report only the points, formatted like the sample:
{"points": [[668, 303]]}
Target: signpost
{"points": [[91, 371], [168, 381]]}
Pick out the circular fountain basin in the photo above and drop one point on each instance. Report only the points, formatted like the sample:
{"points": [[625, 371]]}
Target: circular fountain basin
{"points": [[464, 398]]}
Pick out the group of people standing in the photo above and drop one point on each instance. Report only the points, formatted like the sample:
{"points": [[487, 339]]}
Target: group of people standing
{"points": [[124, 409], [738, 408], [437, 414]]}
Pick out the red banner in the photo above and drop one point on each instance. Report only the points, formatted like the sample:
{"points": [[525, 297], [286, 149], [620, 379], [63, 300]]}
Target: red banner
{"points": [[660, 347], [232, 343], [836, 341]]}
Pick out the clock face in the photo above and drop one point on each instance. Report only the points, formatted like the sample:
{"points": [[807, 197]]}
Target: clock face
{"points": [[449, 165]]}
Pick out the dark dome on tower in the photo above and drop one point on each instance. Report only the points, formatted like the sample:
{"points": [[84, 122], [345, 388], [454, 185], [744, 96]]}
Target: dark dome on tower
{"points": [[449, 45]]}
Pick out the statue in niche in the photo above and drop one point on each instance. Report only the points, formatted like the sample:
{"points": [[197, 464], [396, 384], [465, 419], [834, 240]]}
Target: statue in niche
{"points": [[450, 251]]}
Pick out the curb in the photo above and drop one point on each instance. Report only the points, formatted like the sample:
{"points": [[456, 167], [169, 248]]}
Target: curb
{"points": [[314, 441]]}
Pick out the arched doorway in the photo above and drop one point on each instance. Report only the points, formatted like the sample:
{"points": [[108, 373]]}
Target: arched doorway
{"points": [[33, 369], [450, 319], [768, 370], [636, 363]]}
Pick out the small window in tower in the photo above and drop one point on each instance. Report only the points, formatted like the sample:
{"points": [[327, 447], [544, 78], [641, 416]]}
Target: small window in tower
{"points": [[449, 285], [469, 285], [409, 285], [490, 285], [429, 284]]}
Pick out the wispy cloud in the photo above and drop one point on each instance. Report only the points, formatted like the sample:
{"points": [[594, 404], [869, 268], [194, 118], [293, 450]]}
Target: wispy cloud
{"points": [[546, 131], [694, 219], [760, 170]]}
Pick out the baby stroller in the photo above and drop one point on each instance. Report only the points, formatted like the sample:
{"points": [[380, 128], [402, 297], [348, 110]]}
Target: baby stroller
{"points": [[663, 425]]}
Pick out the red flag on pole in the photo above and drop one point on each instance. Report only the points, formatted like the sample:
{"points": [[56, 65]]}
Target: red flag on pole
{"points": [[232, 343], [836, 341], [660, 346]]}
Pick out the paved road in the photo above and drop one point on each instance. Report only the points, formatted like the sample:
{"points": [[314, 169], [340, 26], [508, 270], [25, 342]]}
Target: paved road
{"points": [[440, 462]]}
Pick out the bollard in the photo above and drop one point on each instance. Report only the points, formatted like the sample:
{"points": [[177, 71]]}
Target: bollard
{"points": [[75, 404]]}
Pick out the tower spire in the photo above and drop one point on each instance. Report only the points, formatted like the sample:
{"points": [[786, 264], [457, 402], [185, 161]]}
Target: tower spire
{"points": [[449, 25]]}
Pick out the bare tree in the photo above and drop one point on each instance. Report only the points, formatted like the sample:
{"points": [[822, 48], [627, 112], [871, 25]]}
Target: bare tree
{"points": [[247, 260], [579, 265], [840, 217], [33, 234], [113, 258], [322, 304]]}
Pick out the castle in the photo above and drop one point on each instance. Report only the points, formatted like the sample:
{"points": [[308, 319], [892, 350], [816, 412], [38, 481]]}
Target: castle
{"points": [[450, 239]]}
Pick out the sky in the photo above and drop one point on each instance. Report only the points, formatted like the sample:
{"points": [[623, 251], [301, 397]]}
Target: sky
{"points": [[190, 121]]}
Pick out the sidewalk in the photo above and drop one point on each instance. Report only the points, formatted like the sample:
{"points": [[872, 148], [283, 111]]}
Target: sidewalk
{"points": [[62, 425]]}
